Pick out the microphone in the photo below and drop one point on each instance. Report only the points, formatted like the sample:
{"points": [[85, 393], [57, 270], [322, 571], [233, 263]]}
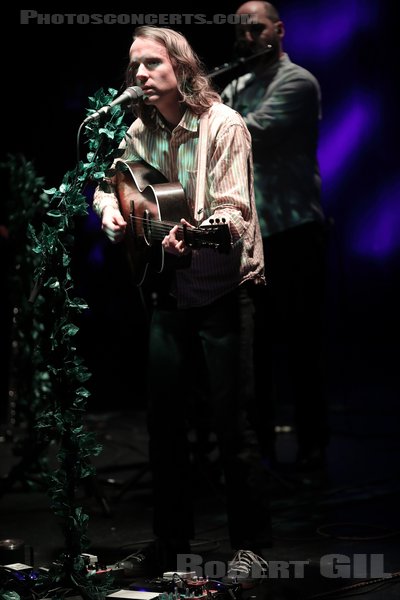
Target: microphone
{"points": [[131, 94]]}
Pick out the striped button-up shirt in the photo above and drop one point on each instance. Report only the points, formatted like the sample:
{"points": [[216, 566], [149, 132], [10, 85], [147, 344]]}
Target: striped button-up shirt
{"points": [[229, 194]]}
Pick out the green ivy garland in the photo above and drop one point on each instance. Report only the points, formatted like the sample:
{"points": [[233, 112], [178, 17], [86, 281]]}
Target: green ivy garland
{"points": [[66, 395], [25, 203]]}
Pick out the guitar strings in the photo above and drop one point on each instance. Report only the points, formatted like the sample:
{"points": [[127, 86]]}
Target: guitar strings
{"points": [[161, 228]]}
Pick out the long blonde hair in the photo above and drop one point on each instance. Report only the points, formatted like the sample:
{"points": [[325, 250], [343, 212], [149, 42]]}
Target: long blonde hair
{"points": [[193, 84]]}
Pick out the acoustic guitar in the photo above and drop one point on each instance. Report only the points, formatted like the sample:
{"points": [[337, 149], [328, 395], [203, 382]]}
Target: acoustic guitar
{"points": [[151, 206]]}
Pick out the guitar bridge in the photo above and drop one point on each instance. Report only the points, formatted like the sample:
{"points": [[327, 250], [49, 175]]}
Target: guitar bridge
{"points": [[147, 233], [132, 218]]}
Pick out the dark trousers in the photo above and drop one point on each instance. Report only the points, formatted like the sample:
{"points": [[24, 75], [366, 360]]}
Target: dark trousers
{"points": [[289, 351], [177, 339]]}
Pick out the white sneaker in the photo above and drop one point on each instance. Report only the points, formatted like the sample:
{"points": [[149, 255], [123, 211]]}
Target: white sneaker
{"points": [[246, 568]]}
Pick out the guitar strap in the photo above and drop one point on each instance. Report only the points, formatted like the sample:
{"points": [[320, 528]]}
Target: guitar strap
{"points": [[201, 168]]}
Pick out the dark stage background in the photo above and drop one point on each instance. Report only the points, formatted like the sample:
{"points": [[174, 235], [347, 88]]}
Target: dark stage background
{"points": [[50, 70]]}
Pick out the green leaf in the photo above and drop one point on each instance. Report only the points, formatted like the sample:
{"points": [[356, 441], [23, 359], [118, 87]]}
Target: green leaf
{"points": [[8, 595], [52, 283], [110, 134], [81, 391], [78, 303], [98, 175], [70, 329]]}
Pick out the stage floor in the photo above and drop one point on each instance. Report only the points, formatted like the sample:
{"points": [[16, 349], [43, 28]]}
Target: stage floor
{"points": [[332, 528]]}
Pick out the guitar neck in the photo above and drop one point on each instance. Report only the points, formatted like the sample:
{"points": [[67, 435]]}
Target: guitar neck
{"points": [[216, 236], [159, 229]]}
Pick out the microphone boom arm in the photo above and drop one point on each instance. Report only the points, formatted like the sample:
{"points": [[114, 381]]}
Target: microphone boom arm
{"points": [[131, 94], [236, 63]]}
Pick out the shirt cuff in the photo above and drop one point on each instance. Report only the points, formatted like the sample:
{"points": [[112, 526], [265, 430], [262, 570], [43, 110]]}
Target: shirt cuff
{"points": [[101, 200]]}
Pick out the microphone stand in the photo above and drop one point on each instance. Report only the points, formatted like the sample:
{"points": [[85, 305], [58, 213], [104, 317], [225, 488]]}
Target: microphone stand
{"points": [[238, 63]]}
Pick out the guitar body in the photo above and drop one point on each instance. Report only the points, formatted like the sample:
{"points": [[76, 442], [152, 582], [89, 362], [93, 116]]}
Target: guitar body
{"points": [[151, 206], [146, 197]]}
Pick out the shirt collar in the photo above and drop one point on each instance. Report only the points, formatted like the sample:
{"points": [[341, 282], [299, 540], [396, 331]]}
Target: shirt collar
{"points": [[189, 121]]}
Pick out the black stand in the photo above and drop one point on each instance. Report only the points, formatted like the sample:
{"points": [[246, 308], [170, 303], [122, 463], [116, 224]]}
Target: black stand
{"points": [[133, 482]]}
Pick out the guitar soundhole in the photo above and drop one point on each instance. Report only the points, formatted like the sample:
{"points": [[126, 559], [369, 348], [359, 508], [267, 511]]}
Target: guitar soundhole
{"points": [[147, 228]]}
